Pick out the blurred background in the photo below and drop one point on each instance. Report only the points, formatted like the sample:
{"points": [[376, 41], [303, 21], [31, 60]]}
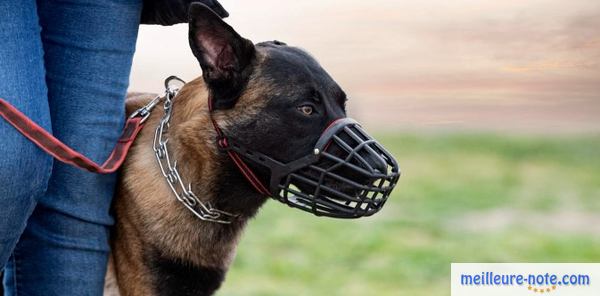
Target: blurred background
{"points": [[491, 108]]}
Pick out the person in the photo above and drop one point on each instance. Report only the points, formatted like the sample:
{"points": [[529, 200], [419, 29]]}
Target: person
{"points": [[66, 65]]}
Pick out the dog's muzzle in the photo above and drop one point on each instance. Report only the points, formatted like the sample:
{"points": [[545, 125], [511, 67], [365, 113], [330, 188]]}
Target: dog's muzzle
{"points": [[347, 175]]}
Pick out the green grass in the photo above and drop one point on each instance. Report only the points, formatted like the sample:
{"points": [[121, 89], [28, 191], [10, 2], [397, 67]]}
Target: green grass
{"points": [[515, 187]]}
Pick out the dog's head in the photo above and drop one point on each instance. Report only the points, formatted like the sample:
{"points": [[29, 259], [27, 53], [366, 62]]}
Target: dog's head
{"points": [[277, 100]]}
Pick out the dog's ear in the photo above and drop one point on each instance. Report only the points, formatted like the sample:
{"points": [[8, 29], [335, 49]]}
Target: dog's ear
{"points": [[225, 57]]}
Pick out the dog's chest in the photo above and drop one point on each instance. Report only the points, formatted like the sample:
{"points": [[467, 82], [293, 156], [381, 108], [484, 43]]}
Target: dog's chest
{"points": [[177, 278]]}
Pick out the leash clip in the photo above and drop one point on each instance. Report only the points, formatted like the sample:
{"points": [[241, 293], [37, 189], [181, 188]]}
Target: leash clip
{"points": [[145, 111], [172, 86]]}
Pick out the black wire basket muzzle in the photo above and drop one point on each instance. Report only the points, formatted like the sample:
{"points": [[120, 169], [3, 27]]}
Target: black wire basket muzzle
{"points": [[348, 175]]}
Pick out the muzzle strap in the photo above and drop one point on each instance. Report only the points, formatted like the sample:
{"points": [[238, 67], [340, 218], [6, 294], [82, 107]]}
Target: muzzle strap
{"points": [[235, 157]]}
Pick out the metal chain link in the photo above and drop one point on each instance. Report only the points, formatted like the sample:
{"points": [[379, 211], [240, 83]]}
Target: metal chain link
{"points": [[168, 168]]}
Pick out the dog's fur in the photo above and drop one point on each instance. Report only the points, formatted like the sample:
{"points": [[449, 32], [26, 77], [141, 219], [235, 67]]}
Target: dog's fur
{"points": [[260, 93]]}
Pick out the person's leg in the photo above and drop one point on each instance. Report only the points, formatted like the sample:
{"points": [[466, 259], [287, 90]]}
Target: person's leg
{"points": [[24, 169], [89, 47]]}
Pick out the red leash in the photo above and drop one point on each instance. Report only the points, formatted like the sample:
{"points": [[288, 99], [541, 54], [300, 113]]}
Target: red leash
{"points": [[134, 124], [64, 153]]}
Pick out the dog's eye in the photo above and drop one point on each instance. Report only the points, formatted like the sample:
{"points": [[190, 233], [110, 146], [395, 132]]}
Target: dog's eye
{"points": [[306, 109]]}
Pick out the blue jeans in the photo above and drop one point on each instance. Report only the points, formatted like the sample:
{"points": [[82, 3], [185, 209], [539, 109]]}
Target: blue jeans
{"points": [[66, 65]]}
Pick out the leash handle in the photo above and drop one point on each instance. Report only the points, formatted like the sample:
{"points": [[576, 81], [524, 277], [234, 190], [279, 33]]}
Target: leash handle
{"points": [[63, 152]]}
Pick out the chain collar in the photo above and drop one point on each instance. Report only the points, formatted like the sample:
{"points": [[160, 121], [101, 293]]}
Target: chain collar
{"points": [[168, 168]]}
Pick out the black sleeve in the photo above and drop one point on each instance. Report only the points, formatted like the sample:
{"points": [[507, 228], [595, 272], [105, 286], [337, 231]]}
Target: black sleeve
{"points": [[170, 12]]}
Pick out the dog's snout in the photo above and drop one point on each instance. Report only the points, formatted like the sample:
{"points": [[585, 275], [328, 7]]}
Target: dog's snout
{"points": [[377, 163]]}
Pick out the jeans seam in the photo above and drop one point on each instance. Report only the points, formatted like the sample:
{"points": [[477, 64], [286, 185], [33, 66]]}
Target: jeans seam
{"points": [[16, 273]]}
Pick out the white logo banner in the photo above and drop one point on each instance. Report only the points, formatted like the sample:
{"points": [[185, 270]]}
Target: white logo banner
{"points": [[527, 279]]}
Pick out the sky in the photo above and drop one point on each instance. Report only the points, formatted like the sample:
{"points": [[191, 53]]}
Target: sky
{"points": [[514, 66]]}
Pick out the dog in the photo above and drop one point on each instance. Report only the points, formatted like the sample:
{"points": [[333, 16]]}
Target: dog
{"points": [[269, 96]]}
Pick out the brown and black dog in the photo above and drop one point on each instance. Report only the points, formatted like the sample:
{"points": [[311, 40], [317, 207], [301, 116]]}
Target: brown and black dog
{"points": [[274, 97]]}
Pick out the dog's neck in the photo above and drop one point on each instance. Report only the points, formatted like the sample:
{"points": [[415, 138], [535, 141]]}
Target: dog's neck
{"points": [[213, 175], [159, 237]]}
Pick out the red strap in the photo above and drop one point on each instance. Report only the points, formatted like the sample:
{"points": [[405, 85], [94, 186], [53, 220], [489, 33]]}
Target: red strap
{"points": [[64, 153], [235, 157], [248, 173]]}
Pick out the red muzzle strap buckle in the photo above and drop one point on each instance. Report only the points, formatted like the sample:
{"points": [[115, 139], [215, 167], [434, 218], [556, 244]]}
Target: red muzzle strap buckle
{"points": [[63, 152]]}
